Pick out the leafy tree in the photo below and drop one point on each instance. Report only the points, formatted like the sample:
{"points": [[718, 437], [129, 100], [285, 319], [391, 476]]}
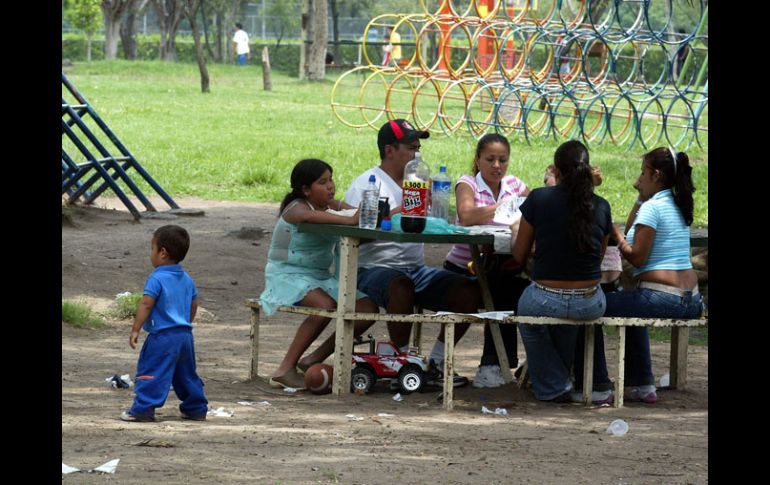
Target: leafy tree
{"points": [[113, 11], [191, 8], [86, 16], [170, 14], [285, 18], [317, 54], [129, 27]]}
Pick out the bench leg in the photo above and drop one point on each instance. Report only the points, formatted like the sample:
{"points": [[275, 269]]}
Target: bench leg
{"points": [[523, 374], [254, 339], [621, 366], [588, 364], [449, 365], [680, 337], [417, 331]]}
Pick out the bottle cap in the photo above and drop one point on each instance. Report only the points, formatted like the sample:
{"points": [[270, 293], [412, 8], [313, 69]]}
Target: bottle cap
{"points": [[386, 225], [372, 178], [443, 168]]}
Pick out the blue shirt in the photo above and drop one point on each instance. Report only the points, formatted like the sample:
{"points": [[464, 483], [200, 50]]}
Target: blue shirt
{"points": [[671, 246], [173, 290]]}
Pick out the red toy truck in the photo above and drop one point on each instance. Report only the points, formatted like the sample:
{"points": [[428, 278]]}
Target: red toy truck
{"points": [[387, 363]]}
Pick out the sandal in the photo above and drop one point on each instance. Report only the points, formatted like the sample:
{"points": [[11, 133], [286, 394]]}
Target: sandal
{"points": [[290, 379], [304, 367]]}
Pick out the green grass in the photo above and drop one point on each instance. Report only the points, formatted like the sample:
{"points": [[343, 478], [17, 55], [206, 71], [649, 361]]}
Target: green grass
{"points": [[698, 335], [79, 315], [126, 305], [240, 142]]}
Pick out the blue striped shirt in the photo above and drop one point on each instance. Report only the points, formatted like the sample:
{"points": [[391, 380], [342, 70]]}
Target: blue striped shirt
{"points": [[671, 246]]}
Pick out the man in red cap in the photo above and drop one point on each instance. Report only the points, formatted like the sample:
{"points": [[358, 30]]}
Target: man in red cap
{"points": [[394, 275]]}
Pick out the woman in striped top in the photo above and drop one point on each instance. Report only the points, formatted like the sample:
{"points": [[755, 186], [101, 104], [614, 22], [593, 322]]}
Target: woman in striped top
{"points": [[478, 197], [658, 246]]}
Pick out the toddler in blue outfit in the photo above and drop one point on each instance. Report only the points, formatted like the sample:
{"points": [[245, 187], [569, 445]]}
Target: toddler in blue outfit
{"points": [[166, 313]]}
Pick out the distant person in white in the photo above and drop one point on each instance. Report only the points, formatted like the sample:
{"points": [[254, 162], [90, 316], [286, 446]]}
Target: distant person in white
{"points": [[241, 42]]}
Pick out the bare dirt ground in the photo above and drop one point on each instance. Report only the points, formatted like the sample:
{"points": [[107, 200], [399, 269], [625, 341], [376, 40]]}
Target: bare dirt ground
{"points": [[303, 438]]}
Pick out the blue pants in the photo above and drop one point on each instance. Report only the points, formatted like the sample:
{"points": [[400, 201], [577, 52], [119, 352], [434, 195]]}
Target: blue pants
{"points": [[431, 285], [242, 59], [647, 303], [166, 358], [551, 348]]}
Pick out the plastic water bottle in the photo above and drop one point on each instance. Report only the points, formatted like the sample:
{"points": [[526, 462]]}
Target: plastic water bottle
{"points": [[617, 428], [369, 205], [441, 191], [414, 200]]}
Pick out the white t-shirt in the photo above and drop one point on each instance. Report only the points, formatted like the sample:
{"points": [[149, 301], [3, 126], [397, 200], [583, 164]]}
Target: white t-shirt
{"points": [[384, 253], [241, 39]]}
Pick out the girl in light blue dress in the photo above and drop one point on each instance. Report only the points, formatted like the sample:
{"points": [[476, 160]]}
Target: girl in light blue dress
{"points": [[299, 267]]}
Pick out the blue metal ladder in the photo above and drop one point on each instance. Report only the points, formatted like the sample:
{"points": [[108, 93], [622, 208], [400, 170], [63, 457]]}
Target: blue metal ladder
{"points": [[96, 161]]}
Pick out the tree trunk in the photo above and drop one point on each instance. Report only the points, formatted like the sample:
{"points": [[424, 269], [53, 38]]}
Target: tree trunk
{"points": [[89, 38], [267, 80], [317, 60], [111, 37], [191, 8], [169, 14], [219, 38], [112, 11], [129, 27], [206, 31], [336, 32], [306, 34]]}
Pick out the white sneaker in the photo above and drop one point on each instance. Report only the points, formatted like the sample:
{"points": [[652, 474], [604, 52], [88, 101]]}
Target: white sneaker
{"points": [[597, 397], [488, 376]]}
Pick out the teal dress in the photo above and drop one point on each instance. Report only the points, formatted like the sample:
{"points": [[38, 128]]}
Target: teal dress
{"points": [[297, 263]]}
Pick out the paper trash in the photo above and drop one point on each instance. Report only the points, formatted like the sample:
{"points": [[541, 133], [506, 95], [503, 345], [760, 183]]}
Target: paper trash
{"points": [[497, 411], [108, 467], [220, 412]]}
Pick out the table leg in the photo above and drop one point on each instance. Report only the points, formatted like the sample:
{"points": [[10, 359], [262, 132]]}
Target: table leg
{"points": [[588, 364], [346, 301], [619, 382], [680, 337], [494, 328], [449, 365], [254, 338]]}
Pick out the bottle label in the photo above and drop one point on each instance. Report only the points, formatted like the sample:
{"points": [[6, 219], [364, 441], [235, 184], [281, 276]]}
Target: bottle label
{"points": [[442, 186], [415, 198]]}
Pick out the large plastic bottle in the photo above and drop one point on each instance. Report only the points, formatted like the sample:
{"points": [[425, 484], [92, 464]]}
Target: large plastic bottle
{"points": [[416, 189], [441, 191], [369, 205]]}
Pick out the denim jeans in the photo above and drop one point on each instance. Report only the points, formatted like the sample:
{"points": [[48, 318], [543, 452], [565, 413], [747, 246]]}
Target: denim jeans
{"points": [[602, 381], [551, 348], [647, 303], [505, 288]]}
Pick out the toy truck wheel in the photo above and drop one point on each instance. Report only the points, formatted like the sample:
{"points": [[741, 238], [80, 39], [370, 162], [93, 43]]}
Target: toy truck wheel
{"points": [[361, 379], [410, 379]]}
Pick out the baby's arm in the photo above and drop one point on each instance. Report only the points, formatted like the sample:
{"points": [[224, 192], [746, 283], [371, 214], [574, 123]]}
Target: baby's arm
{"points": [[142, 314], [193, 309]]}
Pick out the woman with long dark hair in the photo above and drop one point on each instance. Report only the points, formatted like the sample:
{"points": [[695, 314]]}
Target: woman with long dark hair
{"points": [[570, 227], [658, 246], [478, 197]]}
